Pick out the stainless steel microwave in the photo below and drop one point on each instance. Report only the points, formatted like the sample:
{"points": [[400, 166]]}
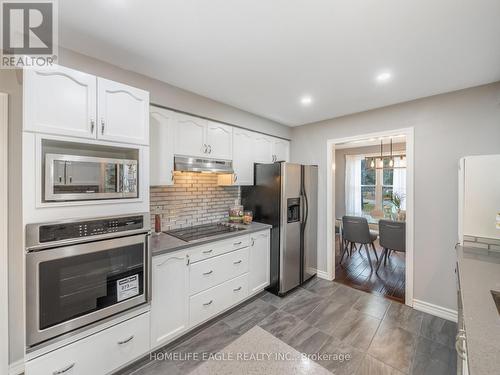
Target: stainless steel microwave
{"points": [[75, 178]]}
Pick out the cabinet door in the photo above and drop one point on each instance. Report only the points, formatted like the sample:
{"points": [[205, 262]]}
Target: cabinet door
{"points": [[281, 149], [243, 142], [123, 113], [259, 269], [190, 136], [60, 101], [161, 146], [219, 139], [263, 149], [169, 304]]}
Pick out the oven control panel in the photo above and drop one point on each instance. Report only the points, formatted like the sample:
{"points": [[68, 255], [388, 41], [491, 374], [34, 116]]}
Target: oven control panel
{"points": [[74, 230]]}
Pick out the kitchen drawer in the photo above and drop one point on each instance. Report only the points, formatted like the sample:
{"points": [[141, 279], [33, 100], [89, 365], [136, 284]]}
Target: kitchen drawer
{"points": [[217, 248], [205, 305], [211, 272], [97, 354]]}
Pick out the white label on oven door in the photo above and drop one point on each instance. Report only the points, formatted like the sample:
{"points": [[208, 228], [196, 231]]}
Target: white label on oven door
{"points": [[127, 287]]}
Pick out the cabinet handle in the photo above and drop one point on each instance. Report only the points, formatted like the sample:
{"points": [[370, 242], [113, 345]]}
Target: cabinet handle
{"points": [[126, 340], [60, 179], [92, 125], [172, 175], [188, 260], [208, 273], [70, 179], [208, 303], [205, 148], [237, 243], [237, 262], [207, 251], [102, 126], [237, 289], [209, 149], [63, 370], [253, 241], [235, 177]]}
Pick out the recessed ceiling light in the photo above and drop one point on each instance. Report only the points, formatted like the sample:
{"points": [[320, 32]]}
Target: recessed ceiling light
{"points": [[384, 77], [306, 100]]}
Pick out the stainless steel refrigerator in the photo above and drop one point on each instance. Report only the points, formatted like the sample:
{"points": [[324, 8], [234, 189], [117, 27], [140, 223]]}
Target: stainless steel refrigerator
{"points": [[285, 195]]}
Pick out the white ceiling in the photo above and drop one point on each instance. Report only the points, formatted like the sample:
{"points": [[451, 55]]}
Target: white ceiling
{"points": [[263, 56]]}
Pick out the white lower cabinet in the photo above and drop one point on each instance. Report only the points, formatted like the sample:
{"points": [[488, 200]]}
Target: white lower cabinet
{"points": [[207, 304], [98, 354], [259, 267], [169, 303], [211, 272]]}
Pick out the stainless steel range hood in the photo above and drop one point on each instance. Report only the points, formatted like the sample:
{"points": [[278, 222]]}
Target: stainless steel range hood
{"points": [[193, 164]]}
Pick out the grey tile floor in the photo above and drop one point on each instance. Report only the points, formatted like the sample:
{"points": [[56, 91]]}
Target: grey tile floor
{"points": [[381, 337]]}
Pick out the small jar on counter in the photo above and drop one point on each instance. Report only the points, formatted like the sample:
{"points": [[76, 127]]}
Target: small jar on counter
{"points": [[247, 217]]}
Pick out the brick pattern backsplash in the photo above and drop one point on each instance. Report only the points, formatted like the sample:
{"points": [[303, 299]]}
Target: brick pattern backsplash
{"points": [[194, 199]]}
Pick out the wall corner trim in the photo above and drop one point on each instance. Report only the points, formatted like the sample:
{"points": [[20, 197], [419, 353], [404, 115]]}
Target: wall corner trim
{"points": [[439, 311], [16, 368], [324, 275]]}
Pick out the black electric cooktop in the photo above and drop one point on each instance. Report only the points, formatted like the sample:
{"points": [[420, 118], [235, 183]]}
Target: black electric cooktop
{"points": [[199, 232]]}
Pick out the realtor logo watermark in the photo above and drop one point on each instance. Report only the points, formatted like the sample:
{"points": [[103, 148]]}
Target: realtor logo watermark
{"points": [[29, 33]]}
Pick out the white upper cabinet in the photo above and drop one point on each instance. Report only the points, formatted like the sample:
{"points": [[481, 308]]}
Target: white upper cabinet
{"points": [[219, 139], [122, 112], [169, 303], [67, 102], [263, 149], [243, 142], [60, 101], [161, 161], [281, 150], [190, 136]]}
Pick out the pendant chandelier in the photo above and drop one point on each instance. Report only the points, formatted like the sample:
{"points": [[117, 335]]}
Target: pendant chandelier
{"points": [[387, 161]]}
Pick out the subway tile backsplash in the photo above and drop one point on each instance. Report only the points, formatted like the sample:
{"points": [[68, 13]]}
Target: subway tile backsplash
{"points": [[194, 199]]}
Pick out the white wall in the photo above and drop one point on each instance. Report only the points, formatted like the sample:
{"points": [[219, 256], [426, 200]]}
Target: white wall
{"points": [[447, 127], [173, 97]]}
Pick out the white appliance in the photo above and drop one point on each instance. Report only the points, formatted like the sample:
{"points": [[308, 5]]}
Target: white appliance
{"points": [[479, 198]]}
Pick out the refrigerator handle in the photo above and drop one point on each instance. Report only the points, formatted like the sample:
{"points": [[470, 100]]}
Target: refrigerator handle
{"points": [[307, 208]]}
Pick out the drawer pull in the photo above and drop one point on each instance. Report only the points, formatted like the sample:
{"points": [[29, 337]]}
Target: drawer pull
{"points": [[126, 340], [237, 262], [208, 303], [237, 289], [207, 251], [208, 273], [66, 369], [237, 243]]}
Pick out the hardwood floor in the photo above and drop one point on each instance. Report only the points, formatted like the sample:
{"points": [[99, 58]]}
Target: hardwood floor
{"points": [[355, 272]]}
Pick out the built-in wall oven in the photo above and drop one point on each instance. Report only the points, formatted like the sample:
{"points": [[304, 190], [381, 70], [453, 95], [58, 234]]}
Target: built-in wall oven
{"points": [[82, 177], [80, 272]]}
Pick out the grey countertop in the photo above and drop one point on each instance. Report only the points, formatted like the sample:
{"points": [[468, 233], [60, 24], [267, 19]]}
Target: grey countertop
{"points": [[163, 243], [479, 271]]}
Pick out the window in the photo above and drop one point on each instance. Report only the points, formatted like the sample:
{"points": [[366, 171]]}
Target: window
{"points": [[368, 187], [377, 188]]}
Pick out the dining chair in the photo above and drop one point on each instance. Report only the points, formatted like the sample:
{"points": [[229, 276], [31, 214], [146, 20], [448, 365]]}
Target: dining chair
{"points": [[356, 230], [392, 237]]}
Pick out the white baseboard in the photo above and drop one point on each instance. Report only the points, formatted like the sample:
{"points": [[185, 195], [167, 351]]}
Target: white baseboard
{"points": [[16, 368], [439, 311], [324, 275]]}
